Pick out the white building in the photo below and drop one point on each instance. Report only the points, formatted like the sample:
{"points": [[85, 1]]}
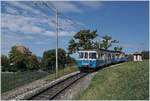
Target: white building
{"points": [[137, 56]]}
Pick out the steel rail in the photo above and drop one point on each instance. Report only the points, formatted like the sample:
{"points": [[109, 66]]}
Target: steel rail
{"points": [[53, 91]]}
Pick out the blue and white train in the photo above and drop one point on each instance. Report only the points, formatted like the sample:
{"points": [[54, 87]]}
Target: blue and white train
{"points": [[95, 59]]}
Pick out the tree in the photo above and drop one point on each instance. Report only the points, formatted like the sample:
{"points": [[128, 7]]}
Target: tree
{"points": [[82, 40], [107, 42], [129, 57], [5, 63], [22, 61], [145, 54], [17, 60], [70, 61], [73, 46], [33, 63], [118, 48], [115, 48], [49, 59], [97, 45]]}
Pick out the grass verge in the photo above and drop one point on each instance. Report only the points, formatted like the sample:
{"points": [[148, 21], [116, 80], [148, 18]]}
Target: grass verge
{"points": [[62, 72], [129, 80]]}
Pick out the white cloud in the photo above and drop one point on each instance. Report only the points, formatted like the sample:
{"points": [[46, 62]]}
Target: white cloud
{"points": [[40, 42], [8, 41], [61, 33], [22, 5], [11, 10], [18, 23], [92, 4], [65, 33], [65, 6], [18, 28]]}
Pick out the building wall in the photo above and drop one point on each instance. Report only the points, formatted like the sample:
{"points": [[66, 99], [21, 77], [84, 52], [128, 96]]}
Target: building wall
{"points": [[23, 50], [137, 58]]}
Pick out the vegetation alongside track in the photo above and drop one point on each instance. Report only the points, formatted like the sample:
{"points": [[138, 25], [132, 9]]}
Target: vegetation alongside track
{"points": [[12, 80], [63, 72], [126, 81]]}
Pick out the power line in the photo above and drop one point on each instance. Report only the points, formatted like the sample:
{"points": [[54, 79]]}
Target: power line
{"points": [[44, 15], [71, 20], [56, 13], [61, 14], [47, 17], [68, 19]]}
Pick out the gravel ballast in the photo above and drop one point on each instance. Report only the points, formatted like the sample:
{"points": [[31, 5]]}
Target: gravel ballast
{"points": [[72, 92], [32, 88]]}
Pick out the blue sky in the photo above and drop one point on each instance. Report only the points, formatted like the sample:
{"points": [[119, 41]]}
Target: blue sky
{"points": [[24, 23]]}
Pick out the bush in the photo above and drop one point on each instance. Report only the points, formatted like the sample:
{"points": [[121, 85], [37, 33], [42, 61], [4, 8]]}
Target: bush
{"points": [[5, 63]]}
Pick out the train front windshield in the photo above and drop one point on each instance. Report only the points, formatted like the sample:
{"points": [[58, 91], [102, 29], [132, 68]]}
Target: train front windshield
{"points": [[87, 55], [92, 55], [83, 55]]}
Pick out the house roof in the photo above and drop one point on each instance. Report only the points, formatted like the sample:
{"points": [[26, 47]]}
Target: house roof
{"points": [[137, 53]]}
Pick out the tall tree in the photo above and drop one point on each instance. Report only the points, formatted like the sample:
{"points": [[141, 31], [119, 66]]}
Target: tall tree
{"points": [[118, 48], [49, 58], [70, 61], [97, 45], [33, 63], [115, 48], [82, 40], [107, 42]]}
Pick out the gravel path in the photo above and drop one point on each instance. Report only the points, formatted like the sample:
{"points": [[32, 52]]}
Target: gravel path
{"points": [[72, 92]]}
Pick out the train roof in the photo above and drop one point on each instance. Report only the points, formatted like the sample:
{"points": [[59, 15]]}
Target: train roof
{"points": [[112, 51]]}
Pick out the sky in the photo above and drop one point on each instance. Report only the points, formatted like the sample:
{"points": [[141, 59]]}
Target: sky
{"points": [[33, 25]]}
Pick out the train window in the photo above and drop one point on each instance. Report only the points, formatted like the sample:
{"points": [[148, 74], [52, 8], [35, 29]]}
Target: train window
{"points": [[113, 56], [92, 55], [108, 56], [99, 55], [81, 55], [102, 56], [86, 55]]}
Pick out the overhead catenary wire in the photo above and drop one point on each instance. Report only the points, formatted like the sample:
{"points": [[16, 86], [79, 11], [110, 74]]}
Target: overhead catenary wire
{"points": [[47, 17], [66, 18], [56, 13], [61, 14]]}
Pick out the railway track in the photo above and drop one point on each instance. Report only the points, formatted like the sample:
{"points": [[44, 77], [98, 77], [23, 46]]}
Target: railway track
{"points": [[56, 89]]}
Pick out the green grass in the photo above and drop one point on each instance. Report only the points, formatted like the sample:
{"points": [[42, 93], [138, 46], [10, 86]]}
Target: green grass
{"points": [[123, 82], [10, 81], [62, 72]]}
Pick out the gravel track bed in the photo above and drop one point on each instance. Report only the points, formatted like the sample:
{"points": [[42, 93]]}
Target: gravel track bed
{"points": [[72, 92], [26, 89]]}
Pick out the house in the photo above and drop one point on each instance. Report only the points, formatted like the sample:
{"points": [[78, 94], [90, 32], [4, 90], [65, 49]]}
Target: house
{"points": [[23, 49], [137, 56]]}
